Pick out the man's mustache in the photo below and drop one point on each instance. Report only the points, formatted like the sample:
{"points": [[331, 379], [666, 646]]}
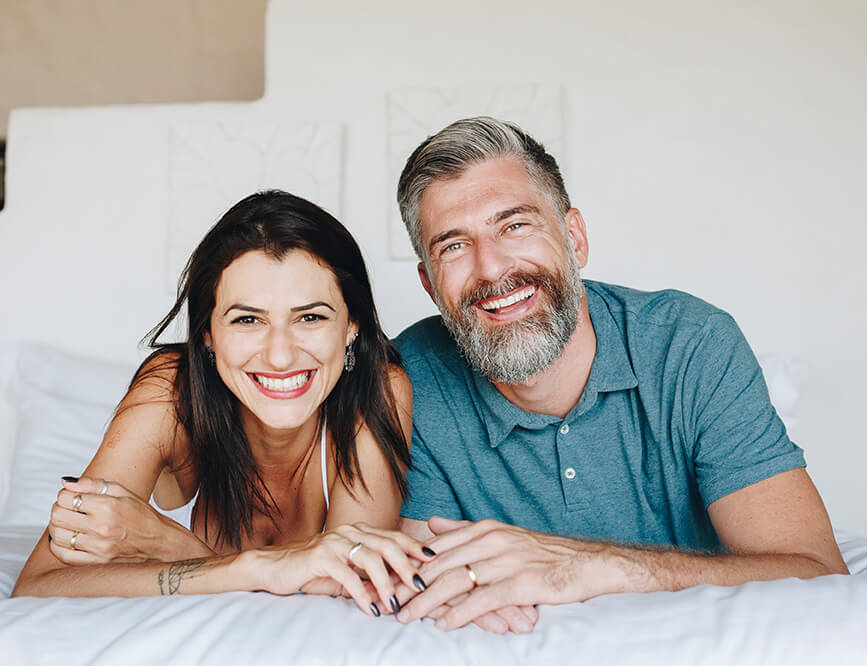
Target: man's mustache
{"points": [[485, 290]]}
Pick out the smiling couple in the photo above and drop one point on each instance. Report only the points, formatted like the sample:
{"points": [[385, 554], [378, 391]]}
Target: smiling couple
{"points": [[545, 440]]}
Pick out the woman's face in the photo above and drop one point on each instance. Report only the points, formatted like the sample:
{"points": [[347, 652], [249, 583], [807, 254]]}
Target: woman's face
{"points": [[279, 331]]}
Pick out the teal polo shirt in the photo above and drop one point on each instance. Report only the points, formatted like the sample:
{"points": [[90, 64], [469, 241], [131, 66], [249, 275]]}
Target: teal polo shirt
{"points": [[675, 415]]}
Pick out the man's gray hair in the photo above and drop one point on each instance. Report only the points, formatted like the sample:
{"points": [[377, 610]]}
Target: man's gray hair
{"points": [[464, 143]]}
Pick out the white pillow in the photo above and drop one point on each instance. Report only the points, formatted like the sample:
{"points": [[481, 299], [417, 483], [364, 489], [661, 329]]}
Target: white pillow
{"points": [[63, 405]]}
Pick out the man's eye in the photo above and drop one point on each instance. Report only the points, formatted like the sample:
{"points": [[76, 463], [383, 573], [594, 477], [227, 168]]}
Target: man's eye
{"points": [[451, 247], [246, 319], [515, 225]]}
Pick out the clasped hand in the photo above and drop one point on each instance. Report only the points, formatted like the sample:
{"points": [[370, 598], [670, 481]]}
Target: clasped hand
{"points": [[94, 522], [488, 572]]}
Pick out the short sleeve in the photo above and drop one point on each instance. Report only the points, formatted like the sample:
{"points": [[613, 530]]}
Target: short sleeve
{"points": [[429, 492], [737, 437]]}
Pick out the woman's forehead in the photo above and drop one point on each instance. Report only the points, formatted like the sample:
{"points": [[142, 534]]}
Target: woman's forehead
{"points": [[260, 276]]}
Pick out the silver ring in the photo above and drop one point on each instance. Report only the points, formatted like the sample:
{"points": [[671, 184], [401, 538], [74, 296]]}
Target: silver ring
{"points": [[354, 550], [472, 576], [72, 541], [76, 503], [104, 489]]}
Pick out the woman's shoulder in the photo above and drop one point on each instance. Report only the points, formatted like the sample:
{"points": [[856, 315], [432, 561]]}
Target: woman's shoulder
{"points": [[156, 377]]}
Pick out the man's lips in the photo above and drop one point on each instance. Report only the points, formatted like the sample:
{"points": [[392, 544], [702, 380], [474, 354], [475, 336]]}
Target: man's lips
{"points": [[515, 302]]}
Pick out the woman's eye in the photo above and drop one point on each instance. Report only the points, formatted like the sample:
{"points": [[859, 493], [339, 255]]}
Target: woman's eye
{"points": [[310, 316], [246, 319]]}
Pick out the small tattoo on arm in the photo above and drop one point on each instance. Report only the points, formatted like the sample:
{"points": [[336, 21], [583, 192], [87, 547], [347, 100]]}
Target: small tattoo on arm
{"points": [[170, 582]]}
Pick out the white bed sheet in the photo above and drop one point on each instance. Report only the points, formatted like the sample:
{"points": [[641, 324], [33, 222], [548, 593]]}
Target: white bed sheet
{"points": [[819, 621]]}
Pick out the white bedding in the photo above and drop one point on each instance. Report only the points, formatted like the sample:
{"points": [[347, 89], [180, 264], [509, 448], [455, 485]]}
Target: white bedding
{"points": [[786, 622]]}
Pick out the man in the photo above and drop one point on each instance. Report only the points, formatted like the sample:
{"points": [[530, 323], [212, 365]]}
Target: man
{"points": [[624, 440]]}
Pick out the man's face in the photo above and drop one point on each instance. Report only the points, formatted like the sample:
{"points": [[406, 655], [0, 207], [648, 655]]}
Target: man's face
{"points": [[501, 268]]}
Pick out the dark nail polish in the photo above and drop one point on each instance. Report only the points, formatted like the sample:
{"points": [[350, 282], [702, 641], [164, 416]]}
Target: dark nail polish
{"points": [[427, 551], [395, 604], [70, 479], [374, 610], [419, 583]]}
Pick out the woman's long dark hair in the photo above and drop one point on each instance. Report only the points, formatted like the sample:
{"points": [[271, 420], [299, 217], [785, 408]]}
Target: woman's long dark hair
{"points": [[273, 222]]}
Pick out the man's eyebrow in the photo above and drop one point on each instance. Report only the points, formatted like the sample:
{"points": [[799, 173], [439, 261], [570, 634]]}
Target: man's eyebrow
{"points": [[523, 209], [297, 308]]}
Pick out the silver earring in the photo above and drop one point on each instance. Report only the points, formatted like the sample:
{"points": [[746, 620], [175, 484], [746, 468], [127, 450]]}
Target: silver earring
{"points": [[212, 357], [349, 358]]}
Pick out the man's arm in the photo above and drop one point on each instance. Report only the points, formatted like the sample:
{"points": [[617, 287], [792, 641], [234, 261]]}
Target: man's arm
{"points": [[775, 528]]}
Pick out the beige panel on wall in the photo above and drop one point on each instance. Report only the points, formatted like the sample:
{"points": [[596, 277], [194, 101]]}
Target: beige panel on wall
{"points": [[82, 52]]}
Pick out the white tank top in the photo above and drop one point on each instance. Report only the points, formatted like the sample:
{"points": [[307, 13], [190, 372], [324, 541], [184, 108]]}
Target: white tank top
{"points": [[183, 515]]}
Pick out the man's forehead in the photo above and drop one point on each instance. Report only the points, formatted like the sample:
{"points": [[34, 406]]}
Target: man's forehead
{"points": [[482, 191]]}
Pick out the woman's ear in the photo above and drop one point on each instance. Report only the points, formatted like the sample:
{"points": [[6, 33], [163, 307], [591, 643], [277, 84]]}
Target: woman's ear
{"points": [[351, 333], [208, 339]]}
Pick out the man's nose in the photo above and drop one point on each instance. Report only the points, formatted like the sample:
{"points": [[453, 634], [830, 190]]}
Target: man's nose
{"points": [[493, 261], [280, 350]]}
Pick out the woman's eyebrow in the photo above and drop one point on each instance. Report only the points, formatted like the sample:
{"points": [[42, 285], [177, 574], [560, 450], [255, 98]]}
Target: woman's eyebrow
{"points": [[297, 308], [310, 306]]}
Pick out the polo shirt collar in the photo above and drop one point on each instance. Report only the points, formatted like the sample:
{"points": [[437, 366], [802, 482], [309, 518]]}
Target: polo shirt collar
{"points": [[611, 371]]}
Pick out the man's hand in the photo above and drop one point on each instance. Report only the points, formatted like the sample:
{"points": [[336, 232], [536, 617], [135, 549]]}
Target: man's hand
{"points": [[512, 567]]}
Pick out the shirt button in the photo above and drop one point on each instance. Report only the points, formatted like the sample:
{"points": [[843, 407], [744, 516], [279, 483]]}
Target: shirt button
{"points": [[569, 473], [564, 428]]}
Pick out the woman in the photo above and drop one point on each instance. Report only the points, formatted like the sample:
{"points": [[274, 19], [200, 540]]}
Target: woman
{"points": [[280, 427]]}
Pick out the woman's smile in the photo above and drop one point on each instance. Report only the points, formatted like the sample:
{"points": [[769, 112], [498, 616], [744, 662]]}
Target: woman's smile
{"points": [[284, 386]]}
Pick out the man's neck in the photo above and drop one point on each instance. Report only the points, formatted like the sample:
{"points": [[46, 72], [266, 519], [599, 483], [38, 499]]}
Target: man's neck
{"points": [[558, 388]]}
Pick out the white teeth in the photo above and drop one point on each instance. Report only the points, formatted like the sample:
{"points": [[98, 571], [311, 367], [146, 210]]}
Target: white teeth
{"points": [[521, 295], [287, 384]]}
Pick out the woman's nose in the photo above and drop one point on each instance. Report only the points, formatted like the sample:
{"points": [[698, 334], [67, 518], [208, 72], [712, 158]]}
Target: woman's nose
{"points": [[280, 350]]}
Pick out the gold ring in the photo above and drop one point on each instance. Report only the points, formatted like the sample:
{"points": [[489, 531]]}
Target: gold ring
{"points": [[76, 503], [354, 550], [104, 489], [472, 576], [73, 540]]}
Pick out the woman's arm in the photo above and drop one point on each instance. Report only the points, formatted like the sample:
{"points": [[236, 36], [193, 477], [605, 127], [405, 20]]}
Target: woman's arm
{"points": [[142, 439], [379, 504]]}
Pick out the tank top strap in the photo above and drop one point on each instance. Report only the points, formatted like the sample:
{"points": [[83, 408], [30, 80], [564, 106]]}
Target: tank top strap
{"points": [[322, 465]]}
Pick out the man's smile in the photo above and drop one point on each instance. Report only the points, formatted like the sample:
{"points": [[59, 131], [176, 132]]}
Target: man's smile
{"points": [[511, 304]]}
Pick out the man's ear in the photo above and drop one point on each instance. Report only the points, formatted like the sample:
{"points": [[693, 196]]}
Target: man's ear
{"points": [[425, 280], [576, 233]]}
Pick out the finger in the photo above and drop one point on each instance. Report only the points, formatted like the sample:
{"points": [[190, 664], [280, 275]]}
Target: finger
{"points": [[410, 546], [439, 525], [485, 544], [71, 557], [354, 586], [461, 534], [482, 600], [393, 550], [371, 562], [514, 617], [95, 486], [492, 622], [66, 518], [531, 613], [446, 587]]}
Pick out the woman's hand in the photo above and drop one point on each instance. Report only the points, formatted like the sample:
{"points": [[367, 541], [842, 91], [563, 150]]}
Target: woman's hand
{"points": [[350, 559], [94, 521]]}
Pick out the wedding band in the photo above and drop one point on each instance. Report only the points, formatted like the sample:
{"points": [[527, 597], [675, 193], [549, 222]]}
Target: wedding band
{"points": [[354, 550], [472, 576], [104, 489], [72, 541], [76, 503]]}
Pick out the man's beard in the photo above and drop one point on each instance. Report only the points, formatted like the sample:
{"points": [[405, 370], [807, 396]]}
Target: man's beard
{"points": [[514, 352]]}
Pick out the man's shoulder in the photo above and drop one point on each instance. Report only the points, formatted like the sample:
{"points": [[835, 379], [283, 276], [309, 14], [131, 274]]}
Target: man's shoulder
{"points": [[427, 341], [662, 308]]}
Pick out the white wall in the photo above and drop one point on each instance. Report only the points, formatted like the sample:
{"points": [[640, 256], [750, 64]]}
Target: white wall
{"points": [[716, 150]]}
